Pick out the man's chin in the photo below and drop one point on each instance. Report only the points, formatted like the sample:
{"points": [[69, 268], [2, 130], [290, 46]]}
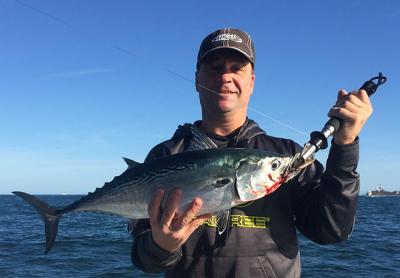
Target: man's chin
{"points": [[225, 109]]}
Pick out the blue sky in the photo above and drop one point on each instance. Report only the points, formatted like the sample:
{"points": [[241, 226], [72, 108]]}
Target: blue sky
{"points": [[84, 83]]}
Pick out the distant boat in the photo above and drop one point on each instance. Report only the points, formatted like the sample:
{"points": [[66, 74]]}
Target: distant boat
{"points": [[63, 194], [380, 192]]}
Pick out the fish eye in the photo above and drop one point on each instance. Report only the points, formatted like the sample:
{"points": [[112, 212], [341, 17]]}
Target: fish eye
{"points": [[275, 164]]}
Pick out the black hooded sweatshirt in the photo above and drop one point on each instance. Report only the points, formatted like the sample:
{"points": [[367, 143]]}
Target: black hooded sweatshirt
{"points": [[261, 240]]}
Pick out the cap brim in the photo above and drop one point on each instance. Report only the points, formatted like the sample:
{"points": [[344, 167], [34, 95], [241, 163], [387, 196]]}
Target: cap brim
{"points": [[225, 47]]}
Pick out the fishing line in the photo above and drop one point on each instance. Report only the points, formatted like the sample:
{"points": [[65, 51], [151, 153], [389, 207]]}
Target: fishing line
{"points": [[262, 114], [76, 29], [129, 53], [280, 122]]}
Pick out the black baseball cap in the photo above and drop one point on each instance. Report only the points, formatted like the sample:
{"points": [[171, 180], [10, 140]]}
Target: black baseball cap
{"points": [[227, 38]]}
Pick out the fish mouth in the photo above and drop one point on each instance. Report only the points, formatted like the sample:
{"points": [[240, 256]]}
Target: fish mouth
{"points": [[277, 183], [273, 179]]}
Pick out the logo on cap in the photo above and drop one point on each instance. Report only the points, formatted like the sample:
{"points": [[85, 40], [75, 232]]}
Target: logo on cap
{"points": [[227, 37]]}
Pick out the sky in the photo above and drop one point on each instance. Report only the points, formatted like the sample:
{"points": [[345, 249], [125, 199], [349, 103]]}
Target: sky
{"points": [[84, 83]]}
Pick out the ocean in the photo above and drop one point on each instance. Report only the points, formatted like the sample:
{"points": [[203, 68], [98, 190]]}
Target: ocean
{"points": [[96, 245]]}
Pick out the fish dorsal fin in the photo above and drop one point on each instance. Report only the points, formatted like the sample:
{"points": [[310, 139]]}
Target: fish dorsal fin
{"points": [[131, 225], [223, 218], [131, 163], [200, 141]]}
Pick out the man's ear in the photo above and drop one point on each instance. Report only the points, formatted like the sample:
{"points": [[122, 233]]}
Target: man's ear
{"points": [[253, 78]]}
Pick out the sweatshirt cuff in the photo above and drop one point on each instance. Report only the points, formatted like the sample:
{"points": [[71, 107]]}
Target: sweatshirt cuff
{"points": [[160, 254], [343, 156]]}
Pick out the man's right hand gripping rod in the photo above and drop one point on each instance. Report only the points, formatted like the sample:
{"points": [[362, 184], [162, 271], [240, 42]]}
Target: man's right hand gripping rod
{"points": [[319, 139]]}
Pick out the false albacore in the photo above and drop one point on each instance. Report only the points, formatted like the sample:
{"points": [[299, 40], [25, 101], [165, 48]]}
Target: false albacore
{"points": [[222, 178]]}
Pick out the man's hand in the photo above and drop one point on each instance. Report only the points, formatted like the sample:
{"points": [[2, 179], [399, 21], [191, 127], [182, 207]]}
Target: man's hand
{"points": [[170, 230], [354, 109]]}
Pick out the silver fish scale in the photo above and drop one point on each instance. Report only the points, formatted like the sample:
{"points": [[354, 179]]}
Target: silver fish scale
{"points": [[149, 177], [139, 185]]}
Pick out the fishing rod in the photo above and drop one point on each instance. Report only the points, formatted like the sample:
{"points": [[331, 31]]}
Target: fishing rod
{"points": [[319, 139]]}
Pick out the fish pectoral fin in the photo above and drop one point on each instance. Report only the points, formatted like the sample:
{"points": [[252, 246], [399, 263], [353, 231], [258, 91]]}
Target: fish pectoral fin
{"points": [[221, 182], [131, 163], [223, 218]]}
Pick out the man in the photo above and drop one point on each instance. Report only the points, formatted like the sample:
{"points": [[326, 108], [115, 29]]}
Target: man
{"points": [[261, 238]]}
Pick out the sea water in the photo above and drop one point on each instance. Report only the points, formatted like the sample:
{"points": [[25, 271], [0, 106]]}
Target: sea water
{"points": [[96, 245]]}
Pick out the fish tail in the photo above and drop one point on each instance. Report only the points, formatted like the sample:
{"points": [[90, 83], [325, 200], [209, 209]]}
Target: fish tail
{"points": [[49, 215]]}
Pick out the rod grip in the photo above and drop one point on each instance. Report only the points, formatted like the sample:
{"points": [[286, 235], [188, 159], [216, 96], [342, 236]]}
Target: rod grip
{"points": [[335, 122]]}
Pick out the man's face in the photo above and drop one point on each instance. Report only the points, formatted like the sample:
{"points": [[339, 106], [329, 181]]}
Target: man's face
{"points": [[225, 81]]}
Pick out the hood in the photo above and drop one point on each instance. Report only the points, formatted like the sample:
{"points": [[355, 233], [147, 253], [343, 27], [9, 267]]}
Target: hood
{"points": [[247, 131]]}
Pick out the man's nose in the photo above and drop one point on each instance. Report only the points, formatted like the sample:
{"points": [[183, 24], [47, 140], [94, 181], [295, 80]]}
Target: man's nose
{"points": [[226, 76]]}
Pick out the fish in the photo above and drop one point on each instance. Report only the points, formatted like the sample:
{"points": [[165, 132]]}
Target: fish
{"points": [[222, 178]]}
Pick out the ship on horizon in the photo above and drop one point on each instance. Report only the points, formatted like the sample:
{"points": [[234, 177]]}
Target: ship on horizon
{"points": [[380, 192]]}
